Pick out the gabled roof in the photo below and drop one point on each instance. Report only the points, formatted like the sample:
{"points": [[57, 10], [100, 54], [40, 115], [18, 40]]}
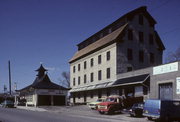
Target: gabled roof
{"points": [[142, 9], [108, 39]]}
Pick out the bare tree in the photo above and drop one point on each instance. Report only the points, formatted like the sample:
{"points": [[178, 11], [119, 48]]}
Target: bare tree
{"points": [[173, 56], [66, 78]]}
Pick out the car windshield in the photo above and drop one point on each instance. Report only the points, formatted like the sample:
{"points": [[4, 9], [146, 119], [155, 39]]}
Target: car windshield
{"points": [[99, 100], [110, 99]]}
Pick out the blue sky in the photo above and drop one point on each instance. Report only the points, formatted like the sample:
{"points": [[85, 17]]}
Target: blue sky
{"points": [[47, 31]]}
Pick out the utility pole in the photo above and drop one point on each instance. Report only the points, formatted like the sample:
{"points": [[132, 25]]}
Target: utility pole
{"points": [[9, 66]]}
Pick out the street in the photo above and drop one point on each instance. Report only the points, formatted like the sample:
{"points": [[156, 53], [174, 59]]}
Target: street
{"points": [[62, 114], [18, 115]]}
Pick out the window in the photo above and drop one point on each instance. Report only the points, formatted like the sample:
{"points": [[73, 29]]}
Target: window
{"points": [[85, 78], [85, 65], [74, 69], [101, 35], [79, 67], [92, 77], [108, 55], [141, 19], [129, 69], [99, 93], [99, 59], [108, 92], [141, 37], [74, 81], [141, 56], [151, 39], [109, 30], [152, 58], [130, 34], [99, 75], [91, 94], [79, 80], [92, 62], [108, 73], [79, 96], [130, 54]]}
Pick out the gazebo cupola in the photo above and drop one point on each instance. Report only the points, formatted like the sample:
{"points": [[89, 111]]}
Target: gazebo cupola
{"points": [[41, 71]]}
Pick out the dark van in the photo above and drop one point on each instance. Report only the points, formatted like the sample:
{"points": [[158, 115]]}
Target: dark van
{"points": [[165, 110]]}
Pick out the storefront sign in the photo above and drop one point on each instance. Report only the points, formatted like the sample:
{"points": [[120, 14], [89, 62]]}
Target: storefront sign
{"points": [[172, 67], [178, 85]]}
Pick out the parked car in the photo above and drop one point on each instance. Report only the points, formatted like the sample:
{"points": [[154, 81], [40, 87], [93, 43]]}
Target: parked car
{"points": [[163, 110], [136, 110], [7, 103], [93, 105], [111, 105]]}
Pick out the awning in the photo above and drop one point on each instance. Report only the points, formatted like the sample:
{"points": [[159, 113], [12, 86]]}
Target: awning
{"points": [[92, 87], [131, 80], [102, 85]]}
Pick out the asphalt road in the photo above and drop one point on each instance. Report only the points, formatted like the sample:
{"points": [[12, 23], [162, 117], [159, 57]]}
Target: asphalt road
{"points": [[19, 115]]}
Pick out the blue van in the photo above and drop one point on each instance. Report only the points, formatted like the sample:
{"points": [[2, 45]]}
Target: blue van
{"points": [[165, 110]]}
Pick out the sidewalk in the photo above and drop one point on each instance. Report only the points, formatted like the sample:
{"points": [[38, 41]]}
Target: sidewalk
{"points": [[31, 108]]}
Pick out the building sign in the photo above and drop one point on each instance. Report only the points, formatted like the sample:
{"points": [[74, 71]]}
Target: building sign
{"points": [[172, 67], [178, 85]]}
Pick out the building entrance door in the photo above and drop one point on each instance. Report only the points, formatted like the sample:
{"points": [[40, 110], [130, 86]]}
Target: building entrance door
{"points": [[166, 91]]}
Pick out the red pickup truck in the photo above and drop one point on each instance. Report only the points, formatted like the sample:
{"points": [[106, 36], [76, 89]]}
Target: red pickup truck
{"points": [[111, 105]]}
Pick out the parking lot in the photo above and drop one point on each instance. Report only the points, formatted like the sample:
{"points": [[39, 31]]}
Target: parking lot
{"points": [[85, 112]]}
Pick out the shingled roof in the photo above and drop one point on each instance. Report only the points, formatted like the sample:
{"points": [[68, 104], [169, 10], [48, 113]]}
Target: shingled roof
{"points": [[44, 83], [108, 39]]}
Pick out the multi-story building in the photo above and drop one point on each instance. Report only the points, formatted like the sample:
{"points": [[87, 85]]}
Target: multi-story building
{"points": [[129, 43]]}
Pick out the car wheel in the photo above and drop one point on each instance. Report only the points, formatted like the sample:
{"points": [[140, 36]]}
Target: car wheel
{"points": [[111, 111], [101, 112]]}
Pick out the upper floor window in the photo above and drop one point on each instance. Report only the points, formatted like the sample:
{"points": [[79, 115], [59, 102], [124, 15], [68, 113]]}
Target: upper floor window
{"points": [[101, 35], [99, 59], [130, 54], [79, 67], [152, 58], [85, 79], [151, 39], [85, 65], [141, 19], [92, 62], [79, 80], [74, 69], [141, 37], [92, 77], [130, 34], [74, 81], [141, 56], [108, 56], [99, 75], [108, 75], [109, 30]]}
